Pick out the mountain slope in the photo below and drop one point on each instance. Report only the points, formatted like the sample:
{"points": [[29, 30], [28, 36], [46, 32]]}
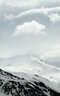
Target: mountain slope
{"points": [[31, 68], [31, 65], [14, 86]]}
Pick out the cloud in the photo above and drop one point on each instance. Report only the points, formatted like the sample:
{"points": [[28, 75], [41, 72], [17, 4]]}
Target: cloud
{"points": [[25, 13], [28, 3], [9, 17], [54, 17], [1, 1], [32, 27], [45, 11], [22, 3], [54, 52], [52, 56]]}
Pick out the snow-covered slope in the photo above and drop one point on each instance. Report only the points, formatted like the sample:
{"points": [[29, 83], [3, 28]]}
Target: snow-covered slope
{"points": [[32, 65], [32, 68], [14, 86]]}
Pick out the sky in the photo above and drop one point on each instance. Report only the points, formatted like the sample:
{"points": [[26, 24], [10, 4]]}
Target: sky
{"points": [[30, 27]]}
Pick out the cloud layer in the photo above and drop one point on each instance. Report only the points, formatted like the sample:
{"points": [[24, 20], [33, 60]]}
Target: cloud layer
{"points": [[27, 3], [53, 55], [52, 13], [21, 3]]}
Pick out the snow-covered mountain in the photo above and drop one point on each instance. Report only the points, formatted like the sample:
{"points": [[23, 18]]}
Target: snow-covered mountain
{"points": [[12, 85], [31, 65], [41, 79]]}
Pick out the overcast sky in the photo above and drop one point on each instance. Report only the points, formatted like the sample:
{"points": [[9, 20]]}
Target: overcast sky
{"points": [[30, 27]]}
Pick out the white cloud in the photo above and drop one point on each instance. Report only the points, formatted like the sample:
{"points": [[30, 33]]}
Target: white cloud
{"points": [[54, 17], [42, 10], [32, 27]]}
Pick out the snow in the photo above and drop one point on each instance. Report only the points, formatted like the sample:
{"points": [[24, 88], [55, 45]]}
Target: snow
{"points": [[29, 66]]}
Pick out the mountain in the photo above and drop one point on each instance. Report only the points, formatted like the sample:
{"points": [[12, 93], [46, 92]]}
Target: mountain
{"points": [[12, 85], [31, 76]]}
